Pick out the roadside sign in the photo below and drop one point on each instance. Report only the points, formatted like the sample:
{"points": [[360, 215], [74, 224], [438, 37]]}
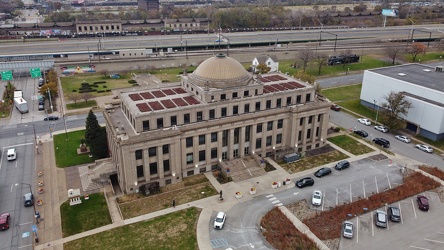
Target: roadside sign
{"points": [[34, 228], [7, 75], [35, 72]]}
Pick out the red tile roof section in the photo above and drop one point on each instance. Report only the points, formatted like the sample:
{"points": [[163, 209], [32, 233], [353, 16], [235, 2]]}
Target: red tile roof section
{"points": [[168, 104], [168, 91], [147, 95], [143, 107], [158, 93], [179, 102], [179, 90], [191, 100], [155, 105], [135, 97]]}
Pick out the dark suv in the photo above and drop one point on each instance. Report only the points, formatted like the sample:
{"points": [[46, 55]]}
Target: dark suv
{"points": [[394, 214], [28, 199], [307, 181], [342, 165], [382, 142], [361, 133]]}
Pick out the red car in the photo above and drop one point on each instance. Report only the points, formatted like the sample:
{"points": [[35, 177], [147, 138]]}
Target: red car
{"points": [[423, 202], [335, 107], [4, 221]]}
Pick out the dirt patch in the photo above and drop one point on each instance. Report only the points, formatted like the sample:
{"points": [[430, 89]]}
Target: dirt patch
{"points": [[378, 157], [322, 150], [435, 171]]}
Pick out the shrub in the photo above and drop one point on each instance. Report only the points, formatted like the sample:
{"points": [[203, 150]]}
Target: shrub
{"points": [[95, 86], [108, 90], [84, 83], [132, 81], [100, 91], [74, 90], [99, 82], [135, 84], [104, 86]]}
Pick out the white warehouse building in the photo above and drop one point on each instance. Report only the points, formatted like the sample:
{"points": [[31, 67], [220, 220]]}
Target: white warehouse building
{"points": [[422, 85]]}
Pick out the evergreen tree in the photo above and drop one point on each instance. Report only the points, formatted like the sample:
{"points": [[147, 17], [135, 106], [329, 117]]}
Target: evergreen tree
{"points": [[95, 136], [92, 127]]}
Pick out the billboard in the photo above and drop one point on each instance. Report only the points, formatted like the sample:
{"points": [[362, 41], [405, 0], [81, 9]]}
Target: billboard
{"points": [[389, 12]]}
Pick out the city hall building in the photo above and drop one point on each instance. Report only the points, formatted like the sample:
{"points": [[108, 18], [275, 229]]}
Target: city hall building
{"points": [[216, 114]]}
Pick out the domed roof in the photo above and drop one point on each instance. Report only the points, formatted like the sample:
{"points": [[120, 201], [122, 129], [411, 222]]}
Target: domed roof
{"points": [[220, 71]]}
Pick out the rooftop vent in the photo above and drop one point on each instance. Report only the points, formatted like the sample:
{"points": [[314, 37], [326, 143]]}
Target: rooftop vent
{"points": [[426, 70], [401, 74], [439, 69]]}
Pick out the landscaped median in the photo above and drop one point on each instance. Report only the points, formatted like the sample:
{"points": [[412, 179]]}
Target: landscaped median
{"points": [[350, 144]]}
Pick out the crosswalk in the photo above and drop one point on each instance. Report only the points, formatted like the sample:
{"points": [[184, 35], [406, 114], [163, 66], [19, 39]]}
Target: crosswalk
{"points": [[219, 243], [274, 200]]}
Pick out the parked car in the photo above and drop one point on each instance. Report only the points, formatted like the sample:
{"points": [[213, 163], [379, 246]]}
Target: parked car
{"points": [[219, 221], [394, 214], [322, 172], [342, 165], [41, 107], [365, 121], [28, 199], [361, 133], [347, 229], [382, 142], [51, 118], [4, 221], [316, 200], [423, 202], [424, 148], [335, 107], [382, 129], [380, 219], [307, 181], [403, 138]]}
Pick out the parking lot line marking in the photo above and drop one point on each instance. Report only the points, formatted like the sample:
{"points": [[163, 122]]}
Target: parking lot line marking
{"points": [[337, 193], [439, 233], [400, 212], [270, 195], [419, 247], [357, 229], [276, 201], [438, 241], [323, 199], [390, 185], [377, 189], [272, 199], [371, 222], [25, 246], [414, 210], [351, 198], [363, 187]]}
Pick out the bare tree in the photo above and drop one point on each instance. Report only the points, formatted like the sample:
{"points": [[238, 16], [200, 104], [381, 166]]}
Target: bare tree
{"points": [[86, 96], [305, 56], [74, 97], [104, 72], [392, 52], [320, 60], [393, 106], [415, 49]]}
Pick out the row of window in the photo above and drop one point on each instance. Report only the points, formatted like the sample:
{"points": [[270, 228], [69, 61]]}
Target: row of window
{"points": [[152, 151], [96, 28], [153, 168]]}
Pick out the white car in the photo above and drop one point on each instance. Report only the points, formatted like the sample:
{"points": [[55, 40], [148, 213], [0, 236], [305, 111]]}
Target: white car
{"points": [[317, 198], [364, 121], [424, 148], [403, 138], [382, 129], [219, 221], [347, 230]]}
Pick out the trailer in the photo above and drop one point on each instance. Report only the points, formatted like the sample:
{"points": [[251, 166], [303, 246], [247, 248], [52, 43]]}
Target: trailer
{"points": [[21, 105]]}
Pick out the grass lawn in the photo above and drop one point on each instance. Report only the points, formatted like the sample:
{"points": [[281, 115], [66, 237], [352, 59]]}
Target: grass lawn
{"points": [[350, 144], [343, 93], [425, 57], [66, 149], [314, 161], [186, 191], [355, 106], [172, 231], [92, 213], [81, 104], [170, 74], [70, 83]]}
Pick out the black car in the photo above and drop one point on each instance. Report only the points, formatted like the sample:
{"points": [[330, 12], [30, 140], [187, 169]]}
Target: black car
{"points": [[394, 214], [361, 133], [382, 142], [51, 118], [342, 165], [322, 172], [307, 181]]}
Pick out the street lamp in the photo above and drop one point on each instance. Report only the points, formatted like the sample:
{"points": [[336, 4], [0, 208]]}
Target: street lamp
{"points": [[33, 204], [377, 110]]}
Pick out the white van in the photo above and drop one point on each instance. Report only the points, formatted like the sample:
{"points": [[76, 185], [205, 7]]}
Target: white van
{"points": [[12, 154]]}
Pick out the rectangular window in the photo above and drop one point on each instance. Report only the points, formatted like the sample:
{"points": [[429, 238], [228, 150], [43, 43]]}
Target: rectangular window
{"points": [[300, 136], [246, 150], [224, 155], [153, 168], [310, 119], [201, 139], [247, 108], [168, 182], [247, 133], [166, 165], [319, 117], [213, 153], [235, 110], [278, 103], [166, 149], [259, 128], [268, 104], [190, 173], [223, 96], [268, 141], [308, 98], [146, 125], [189, 158], [288, 100], [173, 120], [258, 142], [301, 121], [189, 142], [236, 153], [278, 138], [140, 173], [212, 114], [269, 125], [214, 137], [223, 112], [225, 138], [317, 131], [202, 170], [309, 133], [159, 122], [139, 154], [236, 135], [186, 118], [298, 99], [246, 93], [234, 95], [202, 155], [280, 123], [199, 116], [258, 106], [152, 151]]}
